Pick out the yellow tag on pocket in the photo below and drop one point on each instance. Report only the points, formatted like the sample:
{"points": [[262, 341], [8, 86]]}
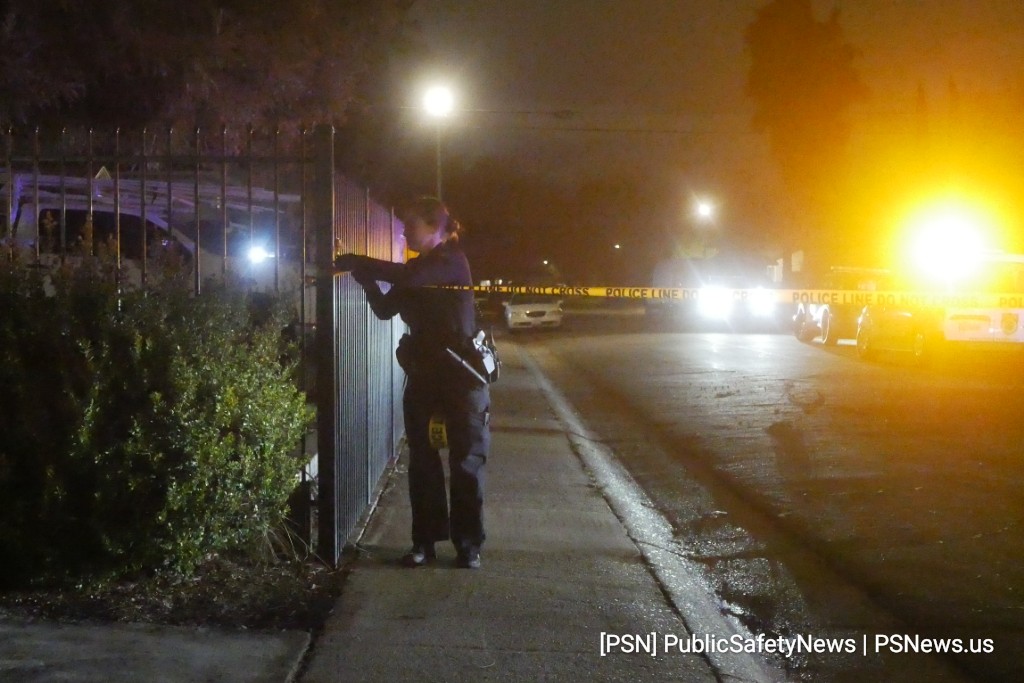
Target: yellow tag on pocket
{"points": [[436, 433]]}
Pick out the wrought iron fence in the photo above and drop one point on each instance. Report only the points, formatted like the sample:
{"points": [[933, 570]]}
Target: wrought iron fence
{"points": [[357, 372], [264, 209]]}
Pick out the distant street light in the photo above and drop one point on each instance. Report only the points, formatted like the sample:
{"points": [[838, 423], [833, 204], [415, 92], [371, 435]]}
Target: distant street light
{"points": [[439, 102], [705, 210]]}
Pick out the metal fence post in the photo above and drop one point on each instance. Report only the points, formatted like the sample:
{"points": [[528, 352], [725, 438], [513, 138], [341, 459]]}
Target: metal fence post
{"points": [[322, 204]]}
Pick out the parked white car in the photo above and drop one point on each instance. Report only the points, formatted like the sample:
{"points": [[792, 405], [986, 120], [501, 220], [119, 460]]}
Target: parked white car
{"points": [[530, 310]]}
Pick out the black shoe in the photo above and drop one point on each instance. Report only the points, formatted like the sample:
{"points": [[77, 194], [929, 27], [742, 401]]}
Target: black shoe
{"points": [[468, 559], [420, 555]]}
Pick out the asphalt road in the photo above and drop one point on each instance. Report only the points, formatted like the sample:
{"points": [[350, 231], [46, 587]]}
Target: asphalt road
{"points": [[822, 493]]}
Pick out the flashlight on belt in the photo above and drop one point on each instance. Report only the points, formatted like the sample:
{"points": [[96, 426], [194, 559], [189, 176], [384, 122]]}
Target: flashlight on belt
{"points": [[469, 368]]}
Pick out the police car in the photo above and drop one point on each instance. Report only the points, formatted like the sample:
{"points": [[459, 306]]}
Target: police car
{"points": [[833, 322], [986, 312]]}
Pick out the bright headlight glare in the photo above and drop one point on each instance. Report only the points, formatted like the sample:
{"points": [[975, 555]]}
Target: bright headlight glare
{"points": [[762, 303], [715, 302]]}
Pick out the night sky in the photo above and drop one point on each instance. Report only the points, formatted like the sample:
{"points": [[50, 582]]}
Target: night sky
{"points": [[575, 90]]}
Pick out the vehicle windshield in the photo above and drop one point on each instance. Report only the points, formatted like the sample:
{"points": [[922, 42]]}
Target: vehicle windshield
{"points": [[520, 299]]}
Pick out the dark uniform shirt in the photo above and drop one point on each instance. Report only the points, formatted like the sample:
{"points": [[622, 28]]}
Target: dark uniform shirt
{"points": [[437, 318]]}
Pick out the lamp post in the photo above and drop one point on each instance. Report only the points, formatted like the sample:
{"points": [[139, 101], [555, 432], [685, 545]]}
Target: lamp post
{"points": [[438, 102], [704, 211]]}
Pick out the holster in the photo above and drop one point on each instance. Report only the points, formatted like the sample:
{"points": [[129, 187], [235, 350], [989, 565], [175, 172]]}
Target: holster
{"points": [[484, 357], [476, 358], [405, 354]]}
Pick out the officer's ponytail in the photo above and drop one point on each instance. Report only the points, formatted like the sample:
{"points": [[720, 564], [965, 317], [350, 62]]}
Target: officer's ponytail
{"points": [[453, 228]]}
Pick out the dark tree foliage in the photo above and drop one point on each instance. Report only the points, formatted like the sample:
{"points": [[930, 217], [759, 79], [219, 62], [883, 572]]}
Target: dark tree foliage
{"points": [[189, 62], [803, 83]]}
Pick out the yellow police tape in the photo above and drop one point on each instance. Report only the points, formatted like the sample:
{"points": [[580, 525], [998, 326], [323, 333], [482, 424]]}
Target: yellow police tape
{"points": [[833, 297]]}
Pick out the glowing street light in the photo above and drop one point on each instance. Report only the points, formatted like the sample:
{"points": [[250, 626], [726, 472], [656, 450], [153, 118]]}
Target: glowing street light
{"points": [[705, 210], [439, 103]]}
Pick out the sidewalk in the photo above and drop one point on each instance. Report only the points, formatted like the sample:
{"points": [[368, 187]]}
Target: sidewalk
{"points": [[558, 570]]}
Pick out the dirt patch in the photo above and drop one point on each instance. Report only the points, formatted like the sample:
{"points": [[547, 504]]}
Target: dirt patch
{"points": [[289, 595]]}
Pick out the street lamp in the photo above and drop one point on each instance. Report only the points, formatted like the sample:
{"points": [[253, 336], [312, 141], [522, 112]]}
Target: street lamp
{"points": [[439, 102], [704, 211]]}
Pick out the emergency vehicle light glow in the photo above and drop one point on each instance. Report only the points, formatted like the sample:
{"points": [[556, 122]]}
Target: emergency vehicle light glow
{"points": [[947, 241]]}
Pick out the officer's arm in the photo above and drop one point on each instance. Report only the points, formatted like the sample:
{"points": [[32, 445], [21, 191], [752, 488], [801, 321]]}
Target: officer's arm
{"points": [[369, 268], [426, 272], [384, 306], [367, 271], [419, 272], [378, 269]]}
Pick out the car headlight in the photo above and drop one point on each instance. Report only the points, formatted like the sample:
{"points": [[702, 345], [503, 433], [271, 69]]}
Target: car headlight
{"points": [[715, 302], [762, 302]]}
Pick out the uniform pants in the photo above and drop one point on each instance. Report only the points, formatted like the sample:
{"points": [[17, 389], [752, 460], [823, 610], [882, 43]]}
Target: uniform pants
{"points": [[466, 408]]}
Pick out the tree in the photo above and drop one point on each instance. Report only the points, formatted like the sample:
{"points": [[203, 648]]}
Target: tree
{"points": [[190, 62], [803, 84]]}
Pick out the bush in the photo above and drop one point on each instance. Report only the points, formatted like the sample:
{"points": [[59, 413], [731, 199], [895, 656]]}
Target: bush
{"points": [[139, 431]]}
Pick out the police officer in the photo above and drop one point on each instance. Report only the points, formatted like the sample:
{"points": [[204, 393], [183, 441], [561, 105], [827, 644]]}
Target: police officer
{"points": [[439, 320]]}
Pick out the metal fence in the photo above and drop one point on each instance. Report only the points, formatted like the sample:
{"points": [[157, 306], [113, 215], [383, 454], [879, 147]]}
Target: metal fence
{"points": [[267, 210], [365, 382]]}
